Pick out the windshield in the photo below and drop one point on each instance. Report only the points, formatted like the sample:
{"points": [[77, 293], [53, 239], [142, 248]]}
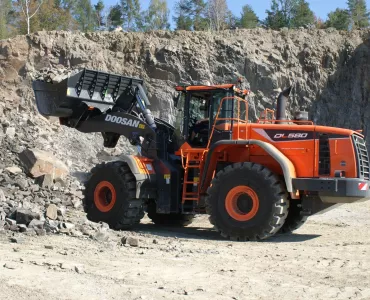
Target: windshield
{"points": [[179, 115]]}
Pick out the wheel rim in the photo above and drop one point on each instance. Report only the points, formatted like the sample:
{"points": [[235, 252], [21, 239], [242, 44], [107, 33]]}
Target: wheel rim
{"points": [[105, 196], [242, 203]]}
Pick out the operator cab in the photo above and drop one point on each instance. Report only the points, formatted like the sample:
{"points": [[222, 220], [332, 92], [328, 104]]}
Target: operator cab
{"points": [[197, 108]]}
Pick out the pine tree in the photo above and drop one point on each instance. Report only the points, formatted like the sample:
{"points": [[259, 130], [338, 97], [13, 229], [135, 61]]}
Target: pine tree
{"points": [[183, 15], [275, 17], [249, 18], [84, 15], [156, 17], [190, 15], [358, 13], [339, 19], [289, 13], [303, 15], [98, 8], [131, 14], [115, 16], [199, 18]]}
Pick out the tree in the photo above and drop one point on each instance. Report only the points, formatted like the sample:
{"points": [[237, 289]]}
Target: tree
{"points": [[358, 13], [131, 14], [218, 14], [275, 17], [199, 15], [289, 13], [29, 9], [53, 17], [249, 18], [156, 17], [5, 9], [319, 23], [183, 15], [338, 19], [99, 7], [115, 16], [190, 15], [84, 15], [302, 15]]}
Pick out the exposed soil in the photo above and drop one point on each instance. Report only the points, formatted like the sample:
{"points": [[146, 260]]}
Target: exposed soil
{"points": [[328, 258]]}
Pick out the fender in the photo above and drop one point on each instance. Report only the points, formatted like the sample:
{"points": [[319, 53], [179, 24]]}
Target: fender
{"points": [[143, 170], [286, 165]]}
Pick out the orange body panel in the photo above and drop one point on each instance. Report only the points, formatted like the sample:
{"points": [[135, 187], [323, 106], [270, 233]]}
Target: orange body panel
{"points": [[342, 157], [303, 153]]}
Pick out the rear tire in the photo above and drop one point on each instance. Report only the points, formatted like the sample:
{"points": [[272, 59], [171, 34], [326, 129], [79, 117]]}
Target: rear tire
{"points": [[246, 201], [295, 218], [175, 220], [110, 196]]}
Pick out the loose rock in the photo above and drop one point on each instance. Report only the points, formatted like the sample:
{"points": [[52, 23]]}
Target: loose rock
{"points": [[10, 221], [22, 228], [25, 216], [14, 170], [17, 239], [40, 232], [10, 266], [36, 224], [133, 242], [52, 212], [2, 196], [101, 236], [10, 132], [39, 162]]}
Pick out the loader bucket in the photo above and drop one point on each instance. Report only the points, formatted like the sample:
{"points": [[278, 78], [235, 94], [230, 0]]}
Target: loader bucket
{"points": [[92, 88], [51, 98]]}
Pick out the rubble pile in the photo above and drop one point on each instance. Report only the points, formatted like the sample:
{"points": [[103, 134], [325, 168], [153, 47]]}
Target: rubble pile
{"points": [[43, 167]]}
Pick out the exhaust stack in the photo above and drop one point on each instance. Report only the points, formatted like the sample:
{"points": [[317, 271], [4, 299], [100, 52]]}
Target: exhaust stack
{"points": [[281, 104]]}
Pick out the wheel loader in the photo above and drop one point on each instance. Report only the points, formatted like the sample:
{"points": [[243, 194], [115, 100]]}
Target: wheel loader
{"points": [[253, 179]]}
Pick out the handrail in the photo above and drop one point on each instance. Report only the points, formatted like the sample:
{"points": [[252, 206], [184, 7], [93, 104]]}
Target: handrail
{"points": [[266, 120], [266, 114], [238, 119]]}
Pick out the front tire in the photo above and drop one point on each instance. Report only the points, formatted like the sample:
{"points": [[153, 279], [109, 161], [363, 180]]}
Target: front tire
{"points": [[110, 196], [295, 218], [246, 201]]}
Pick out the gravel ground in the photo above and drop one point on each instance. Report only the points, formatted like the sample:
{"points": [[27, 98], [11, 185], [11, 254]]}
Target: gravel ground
{"points": [[328, 258]]}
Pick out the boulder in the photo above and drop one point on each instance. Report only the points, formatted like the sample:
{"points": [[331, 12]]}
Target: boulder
{"points": [[39, 163], [25, 216]]}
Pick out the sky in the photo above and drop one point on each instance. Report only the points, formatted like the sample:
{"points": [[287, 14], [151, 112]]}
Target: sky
{"points": [[320, 7]]}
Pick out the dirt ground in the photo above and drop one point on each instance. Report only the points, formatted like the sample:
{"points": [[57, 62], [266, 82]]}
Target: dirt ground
{"points": [[328, 258]]}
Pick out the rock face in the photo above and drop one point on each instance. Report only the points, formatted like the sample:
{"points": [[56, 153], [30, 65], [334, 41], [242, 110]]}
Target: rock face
{"points": [[328, 68]]}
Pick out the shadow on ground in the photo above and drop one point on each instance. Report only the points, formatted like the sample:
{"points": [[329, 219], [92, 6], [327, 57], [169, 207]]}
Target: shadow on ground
{"points": [[200, 233]]}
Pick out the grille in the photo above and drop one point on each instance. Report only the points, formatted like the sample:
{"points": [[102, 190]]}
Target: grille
{"points": [[362, 157], [324, 155]]}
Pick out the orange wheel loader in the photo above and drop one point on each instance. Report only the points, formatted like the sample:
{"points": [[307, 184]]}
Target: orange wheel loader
{"points": [[253, 179]]}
